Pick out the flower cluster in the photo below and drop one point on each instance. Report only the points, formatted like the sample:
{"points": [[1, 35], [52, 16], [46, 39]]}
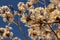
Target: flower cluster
{"points": [[7, 15], [21, 7], [39, 20], [5, 32]]}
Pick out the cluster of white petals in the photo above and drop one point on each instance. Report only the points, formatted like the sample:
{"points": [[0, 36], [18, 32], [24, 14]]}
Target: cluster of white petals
{"points": [[5, 12], [7, 15], [39, 20], [21, 6], [5, 32]]}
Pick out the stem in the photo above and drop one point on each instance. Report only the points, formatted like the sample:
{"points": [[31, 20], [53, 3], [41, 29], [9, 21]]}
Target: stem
{"points": [[20, 28], [53, 32], [37, 4], [41, 2], [46, 22], [45, 3]]}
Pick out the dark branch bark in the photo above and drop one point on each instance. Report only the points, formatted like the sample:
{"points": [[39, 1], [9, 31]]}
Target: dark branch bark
{"points": [[21, 30], [53, 32]]}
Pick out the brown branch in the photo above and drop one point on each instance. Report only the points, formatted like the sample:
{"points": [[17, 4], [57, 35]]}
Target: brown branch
{"points": [[20, 28], [53, 32], [37, 4], [45, 3]]}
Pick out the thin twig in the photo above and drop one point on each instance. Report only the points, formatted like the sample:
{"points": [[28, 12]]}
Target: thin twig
{"points": [[20, 28], [53, 32], [40, 2], [37, 3], [47, 22], [45, 3], [26, 38]]}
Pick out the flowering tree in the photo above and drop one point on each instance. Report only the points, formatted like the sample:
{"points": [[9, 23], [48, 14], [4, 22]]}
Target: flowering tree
{"points": [[39, 20]]}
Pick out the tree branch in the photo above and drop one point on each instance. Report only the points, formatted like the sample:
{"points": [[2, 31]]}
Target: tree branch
{"points": [[20, 28], [53, 32]]}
